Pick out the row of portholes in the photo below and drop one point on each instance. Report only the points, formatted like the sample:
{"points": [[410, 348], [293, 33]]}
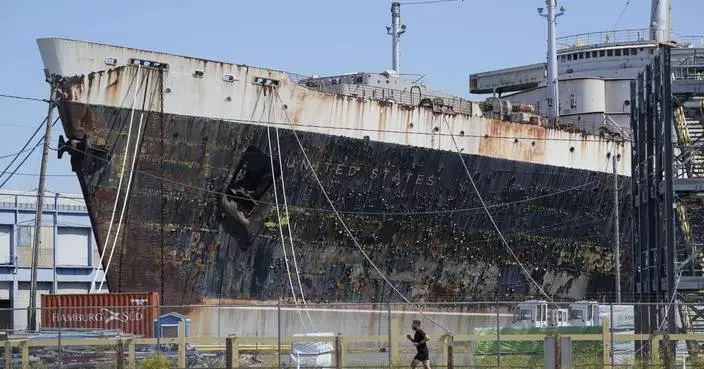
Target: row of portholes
{"points": [[153, 64], [515, 140], [435, 129]]}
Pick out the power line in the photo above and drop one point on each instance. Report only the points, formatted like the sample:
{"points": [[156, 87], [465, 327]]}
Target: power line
{"points": [[14, 154], [628, 2], [17, 155], [47, 175], [7, 96], [26, 157]]}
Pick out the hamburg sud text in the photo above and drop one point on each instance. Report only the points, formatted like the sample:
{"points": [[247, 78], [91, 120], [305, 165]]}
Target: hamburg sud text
{"points": [[101, 315]]}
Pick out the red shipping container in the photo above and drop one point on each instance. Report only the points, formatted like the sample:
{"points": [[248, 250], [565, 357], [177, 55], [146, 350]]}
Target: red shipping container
{"points": [[131, 312]]}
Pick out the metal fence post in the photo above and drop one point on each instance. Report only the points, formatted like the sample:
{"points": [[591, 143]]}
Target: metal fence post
{"points": [[498, 336], [611, 318], [278, 323], [388, 325], [158, 326], [338, 351], [60, 351], [558, 353]]}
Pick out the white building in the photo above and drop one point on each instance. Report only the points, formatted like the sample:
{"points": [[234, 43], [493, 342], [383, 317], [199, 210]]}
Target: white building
{"points": [[67, 256]]}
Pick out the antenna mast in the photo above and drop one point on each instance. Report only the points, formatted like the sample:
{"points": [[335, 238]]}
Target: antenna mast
{"points": [[553, 92], [396, 30]]}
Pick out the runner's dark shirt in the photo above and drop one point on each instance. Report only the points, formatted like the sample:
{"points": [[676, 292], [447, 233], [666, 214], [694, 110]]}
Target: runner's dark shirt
{"points": [[419, 336]]}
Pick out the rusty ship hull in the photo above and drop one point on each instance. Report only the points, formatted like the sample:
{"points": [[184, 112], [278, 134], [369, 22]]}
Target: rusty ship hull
{"points": [[200, 221]]}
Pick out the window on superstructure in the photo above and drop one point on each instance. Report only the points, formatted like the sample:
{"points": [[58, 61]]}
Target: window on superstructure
{"points": [[581, 55], [609, 53], [602, 53], [588, 55], [626, 52], [634, 51], [593, 54], [618, 52], [569, 57]]}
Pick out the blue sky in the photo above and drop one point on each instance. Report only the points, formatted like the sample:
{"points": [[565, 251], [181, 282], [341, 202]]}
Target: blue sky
{"points": [[446, 42]]}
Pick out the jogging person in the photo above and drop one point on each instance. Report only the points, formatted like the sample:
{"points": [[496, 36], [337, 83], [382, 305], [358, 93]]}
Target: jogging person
{"points": [[419, 340]]}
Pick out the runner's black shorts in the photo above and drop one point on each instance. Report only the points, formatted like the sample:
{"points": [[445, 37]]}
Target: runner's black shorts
{"points": [[422, 356]]}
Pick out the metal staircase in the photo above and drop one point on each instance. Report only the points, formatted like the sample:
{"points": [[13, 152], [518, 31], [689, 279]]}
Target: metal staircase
{"points": [[691, 311], [689, 126]]}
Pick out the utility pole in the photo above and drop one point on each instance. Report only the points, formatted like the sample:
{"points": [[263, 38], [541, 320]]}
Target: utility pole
{"points": [[553, 91], [396, 30], [32, 313], [617, 250]]}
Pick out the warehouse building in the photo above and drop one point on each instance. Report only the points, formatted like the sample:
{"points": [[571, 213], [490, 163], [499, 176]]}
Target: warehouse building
{"points": [[68, 253]]}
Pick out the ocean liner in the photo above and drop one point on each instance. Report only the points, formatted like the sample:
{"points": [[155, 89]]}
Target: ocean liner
{"points": [[191, 148]]}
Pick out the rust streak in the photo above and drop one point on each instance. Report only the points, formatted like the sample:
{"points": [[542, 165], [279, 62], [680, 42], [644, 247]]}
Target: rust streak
{"points": [[523, 149], [113, 87]]}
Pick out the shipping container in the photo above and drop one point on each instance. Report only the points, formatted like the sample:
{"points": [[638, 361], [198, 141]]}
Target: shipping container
{"points": [[132, 313]]}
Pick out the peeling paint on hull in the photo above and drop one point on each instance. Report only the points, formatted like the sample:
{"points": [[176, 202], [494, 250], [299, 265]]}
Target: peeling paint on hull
{"points": [[185, 239]]}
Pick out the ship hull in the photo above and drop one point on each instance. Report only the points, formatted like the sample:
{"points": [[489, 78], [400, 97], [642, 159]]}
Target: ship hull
{"points": [[200, 221]]}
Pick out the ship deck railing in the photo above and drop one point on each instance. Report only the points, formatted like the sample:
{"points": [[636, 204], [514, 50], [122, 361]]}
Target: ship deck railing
{"points": [[411, 97], [622, 36]]}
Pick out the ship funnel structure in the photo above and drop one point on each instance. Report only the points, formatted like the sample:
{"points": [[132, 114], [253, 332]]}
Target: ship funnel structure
{"points": [[396, 30], [661, 20]]}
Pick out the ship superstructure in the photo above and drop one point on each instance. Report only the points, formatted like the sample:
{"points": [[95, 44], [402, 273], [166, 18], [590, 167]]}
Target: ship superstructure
{"points": [[594, 73]]}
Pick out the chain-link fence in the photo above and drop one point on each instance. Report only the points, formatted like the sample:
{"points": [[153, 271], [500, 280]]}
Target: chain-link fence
{"points": [[461, 335]]}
